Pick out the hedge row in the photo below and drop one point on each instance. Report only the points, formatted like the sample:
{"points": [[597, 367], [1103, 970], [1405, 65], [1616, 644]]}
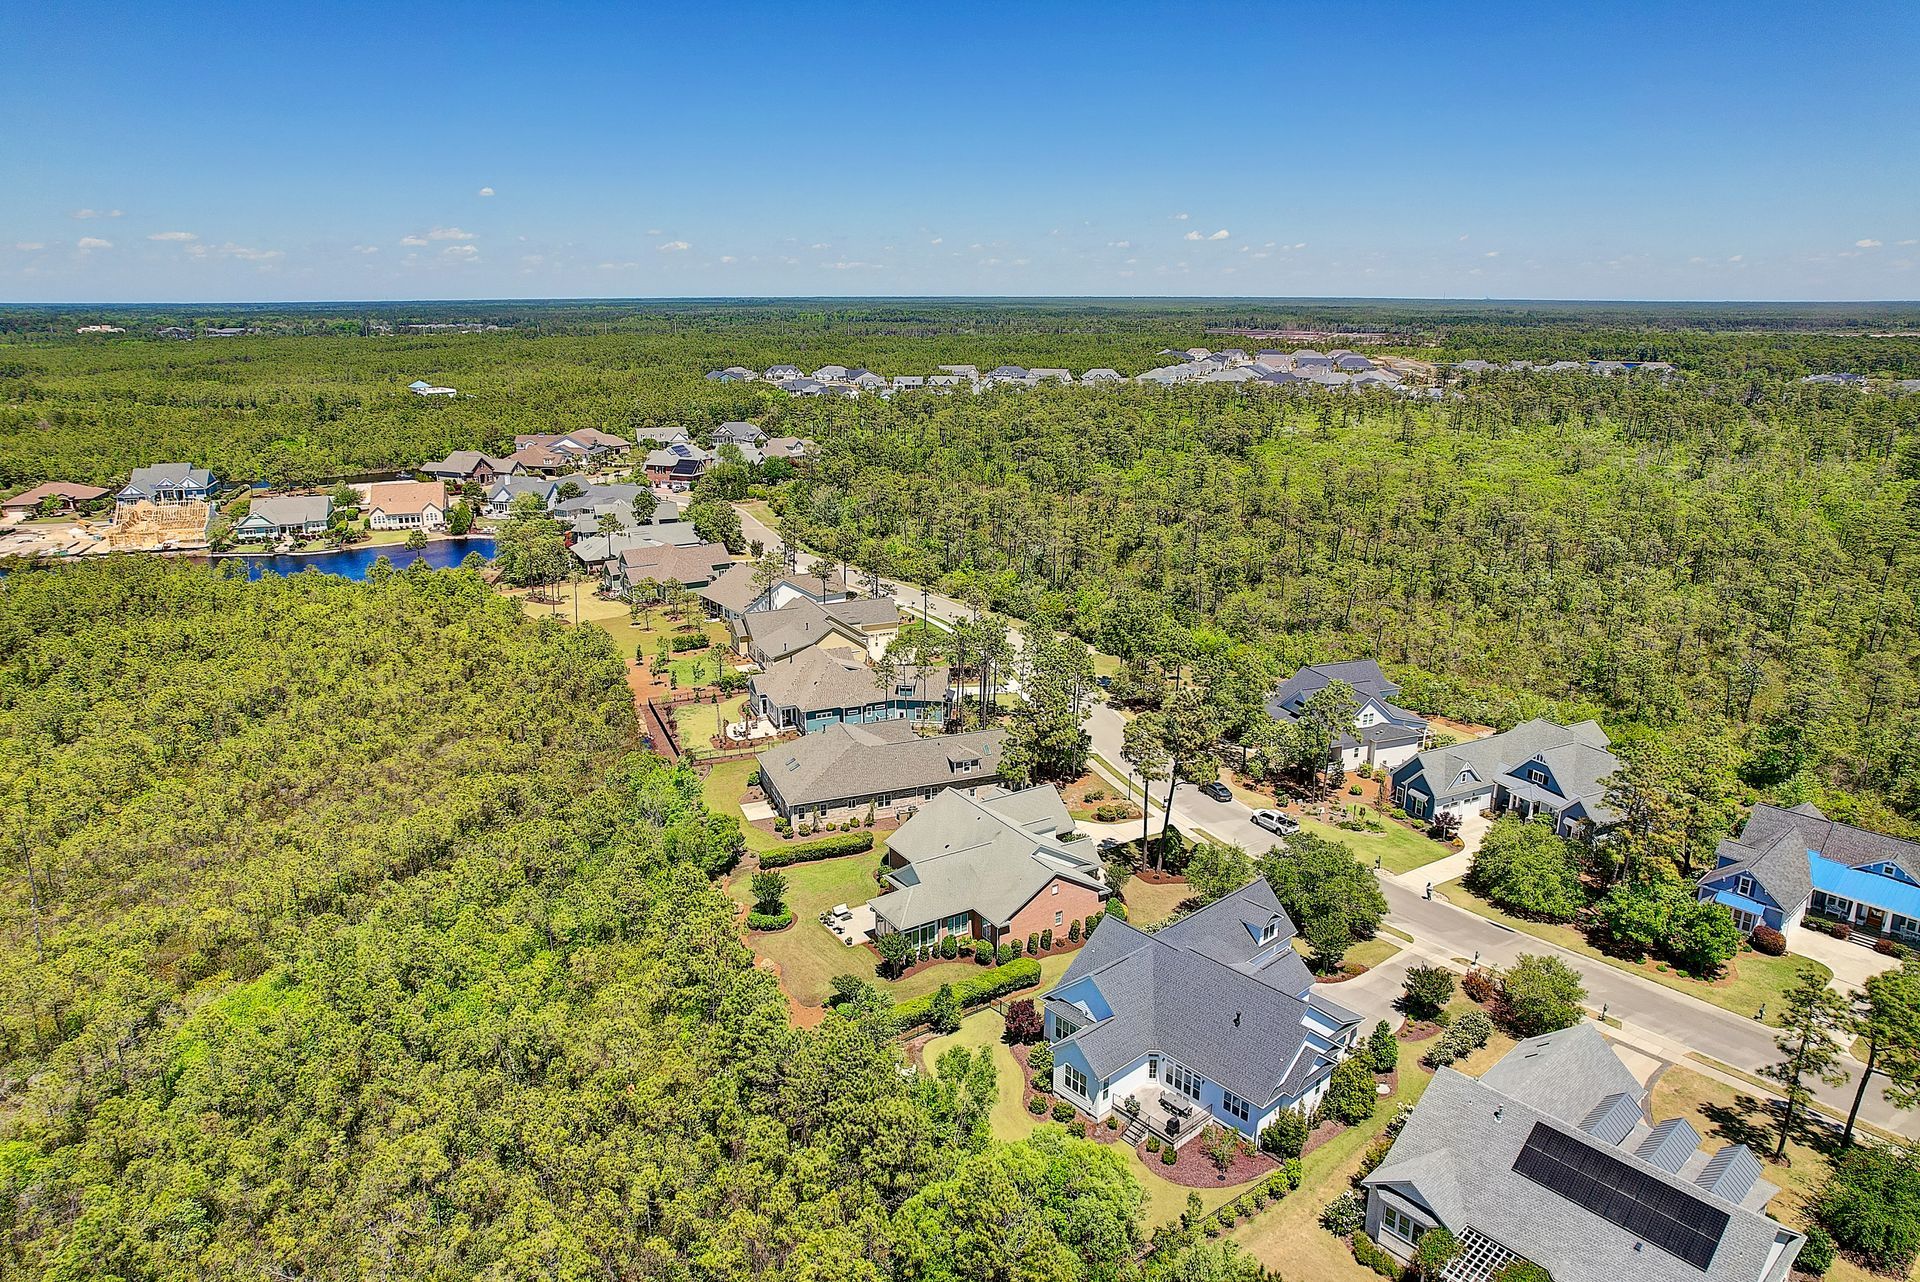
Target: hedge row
{"points": [[982, 986], [771, 921], [826, 848]]}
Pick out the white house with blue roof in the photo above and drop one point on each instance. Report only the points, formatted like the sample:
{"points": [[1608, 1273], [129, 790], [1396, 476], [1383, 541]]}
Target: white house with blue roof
{"points": [[1787, 864], [1214, 1018]]}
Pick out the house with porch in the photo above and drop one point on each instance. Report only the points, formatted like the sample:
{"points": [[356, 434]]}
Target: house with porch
{"points": [[1538, 768], [860, 627], [678, 465], [502, 492], [738, 593], [299, 515], [634, 568], [406, 505], [168, 483], [888, 767], [462, 466], [62, 496], [987, 863], [1552, 1157], [1385, 734], [1787, 865], [1213, 1019], [821, 687]]}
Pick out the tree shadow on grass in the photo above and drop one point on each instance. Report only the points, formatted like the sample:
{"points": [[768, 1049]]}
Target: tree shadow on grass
{"points": [[1756, 1123]]}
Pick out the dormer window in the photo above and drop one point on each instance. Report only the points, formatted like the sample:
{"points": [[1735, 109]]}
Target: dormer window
{"points": [[1272, 929], [1744, 887], [1536, 775]]}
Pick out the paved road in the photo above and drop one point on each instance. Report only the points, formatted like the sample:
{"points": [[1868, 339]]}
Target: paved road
{"points": [[1657, 1019]]}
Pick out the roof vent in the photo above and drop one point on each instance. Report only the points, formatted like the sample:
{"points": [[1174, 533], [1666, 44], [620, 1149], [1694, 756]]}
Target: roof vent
{"points": [[1731, 1173], [1236, 1019], [1669, 1145], [1613, 1118]]}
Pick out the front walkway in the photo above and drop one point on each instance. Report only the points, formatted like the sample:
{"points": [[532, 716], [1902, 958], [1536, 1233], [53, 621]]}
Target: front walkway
{"points": [[1473, 830]]}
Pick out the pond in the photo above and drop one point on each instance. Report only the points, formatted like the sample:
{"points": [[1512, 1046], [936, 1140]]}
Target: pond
{"points": [[353, 563]]}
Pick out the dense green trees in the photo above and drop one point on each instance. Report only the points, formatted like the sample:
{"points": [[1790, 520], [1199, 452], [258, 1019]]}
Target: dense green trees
{"points": [[1333, 900], [1524, 867]]}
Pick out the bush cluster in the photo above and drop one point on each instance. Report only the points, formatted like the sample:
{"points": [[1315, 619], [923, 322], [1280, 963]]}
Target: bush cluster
{"points": [[1373, 1257], [770, 921], [1468, 1034], [1765, 939], [825, 848], [1022, 972]]}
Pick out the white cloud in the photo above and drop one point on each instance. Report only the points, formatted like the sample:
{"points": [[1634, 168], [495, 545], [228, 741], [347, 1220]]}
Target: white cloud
{"points": [[727, 258], [820, 244], [1219, 235], [848, 266], [1867, 243], [464, 253], [173, 235], [1491, 253], [413, 240], [1119, 244], [486, 191], [674, 247], [1193, 235], [533, 260], [937, 240], [94, 242], [244, 253], [617, 267], [97, 213], [28, 246], [1463, 237], [1908, 241], [1181, 218], [449, 233], [366, 249], [1737, 258], [655, 231]]}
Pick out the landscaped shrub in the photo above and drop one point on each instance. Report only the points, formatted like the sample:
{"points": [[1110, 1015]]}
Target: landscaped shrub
{"points": [[1351, 1095], [1376, 1153], [1888, 948], [1077, 1128], [1024, 973], [1153, 1143], [1437, 1249], [682, 642], [1040, 1058], [950, 947], [1117, 908], [1871, 1206], [1292, 1171], [1371, 1256], [1816, 1257], [1285, 1135], [1766, 939], [1046, 939], [1062, 1111], [770, 921], [1468, 1034], [1528, 1271], [1478, 985], [1024, 1021], [1112, 812], [1426, 991], [1042, 1082], [1113, 1122], [982, 951], [944, 1010], [1019, 946], [1073, 932], [825, 848], [1345, 1214], [1033, 943], [1037, 1105], [1382, 1051], [1168, 1156]]}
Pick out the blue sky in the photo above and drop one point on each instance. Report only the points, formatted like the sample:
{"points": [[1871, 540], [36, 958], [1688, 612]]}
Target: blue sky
{"points": [[240, 152]]}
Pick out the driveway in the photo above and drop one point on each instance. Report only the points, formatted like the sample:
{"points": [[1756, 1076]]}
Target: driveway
{"points": [[1473, 829], [1852, 964]]}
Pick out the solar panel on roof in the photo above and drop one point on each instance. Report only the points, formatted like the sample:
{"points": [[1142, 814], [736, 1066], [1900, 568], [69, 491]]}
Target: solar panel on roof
{"points": [[1681, 1225]]}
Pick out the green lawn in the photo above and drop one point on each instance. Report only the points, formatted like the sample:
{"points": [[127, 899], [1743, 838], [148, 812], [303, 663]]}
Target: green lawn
{"points": [[1148, 904], [1369, 953], [1398, 849], [1750, 981], [696, 723]]}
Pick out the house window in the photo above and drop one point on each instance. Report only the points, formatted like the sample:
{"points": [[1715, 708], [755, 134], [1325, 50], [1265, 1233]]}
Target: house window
{"points": [[1153, 1068], [1184, 1080], [1076, 1081], [1059, 917], [1064, 1027], [1399, 1224], [1536, 775], [1744, 887], [1273, 928], [1235, 1106], [1056, 887]]}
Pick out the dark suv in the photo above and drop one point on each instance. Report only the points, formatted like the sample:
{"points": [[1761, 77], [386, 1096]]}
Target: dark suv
{"points": [[1216, 790]]}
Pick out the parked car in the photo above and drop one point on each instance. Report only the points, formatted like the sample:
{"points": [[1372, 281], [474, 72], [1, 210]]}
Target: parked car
{"points": [[1216, 790], [1275, 822]]}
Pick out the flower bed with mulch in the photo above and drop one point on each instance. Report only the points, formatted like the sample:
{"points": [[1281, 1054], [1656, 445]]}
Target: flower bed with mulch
{"points": [[1155, 877], [1195, 1170]]}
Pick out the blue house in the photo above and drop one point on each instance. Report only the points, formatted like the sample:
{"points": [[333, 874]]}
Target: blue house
{"points": [[1786, 864], [1538, 769], [820, 687], [1213, 1019]]}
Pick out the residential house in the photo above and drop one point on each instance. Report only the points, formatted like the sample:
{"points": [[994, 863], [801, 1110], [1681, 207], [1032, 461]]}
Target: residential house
{"points": [[887, 766], [634, 506], [791, 448], [502, 493], [1787, 864], [736, 594], [66, 496], [1308, 361], [802, 386], [1351, 362], [830, 374], [419, 386], [406, 505], [967, 372], [690, 567], [1536, 768], [820, 687], [678, 465], [866, 380], [985, 863], [598, 552], [1551, 1157], [908, 382], [1212, 1019], [300, 515], [1099, 377], [1006, 374], [1049, 376], [732, 374], [737, 434], [1387, 735], [859, 627], [169, 483], [781, 373], [463, 466]]}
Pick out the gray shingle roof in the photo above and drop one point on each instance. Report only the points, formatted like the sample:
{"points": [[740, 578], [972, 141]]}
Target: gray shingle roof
{"points": [[844, 762], [989, 854], [775, 634], [166, 476], [1208, 992], [291, 509], [1773, 847], [1498, 754], [1456, 1156], [818, 680]]}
